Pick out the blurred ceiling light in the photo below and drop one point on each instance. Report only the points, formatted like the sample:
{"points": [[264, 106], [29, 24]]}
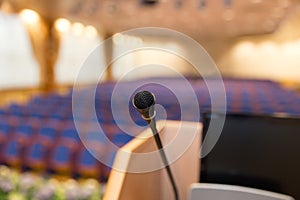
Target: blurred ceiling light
{"points": [[138, 41], [244, 48], [268, 47], [91, 32], [62, 25], [29, 16], [78, 28]]}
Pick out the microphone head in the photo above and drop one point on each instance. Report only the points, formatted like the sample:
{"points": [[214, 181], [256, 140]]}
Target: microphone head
{"points": [[143, 100]]}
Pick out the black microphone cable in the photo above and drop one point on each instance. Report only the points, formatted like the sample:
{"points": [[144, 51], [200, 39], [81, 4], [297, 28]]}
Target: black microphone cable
{"points": [[144, 102]]}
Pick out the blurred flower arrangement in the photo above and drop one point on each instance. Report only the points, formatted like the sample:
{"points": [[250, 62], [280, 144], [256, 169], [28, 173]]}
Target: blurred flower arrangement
{"points": [[29, 186]]}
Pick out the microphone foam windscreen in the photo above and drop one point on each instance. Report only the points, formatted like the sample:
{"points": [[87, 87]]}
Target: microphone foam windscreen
{"points": [[144, 99]]}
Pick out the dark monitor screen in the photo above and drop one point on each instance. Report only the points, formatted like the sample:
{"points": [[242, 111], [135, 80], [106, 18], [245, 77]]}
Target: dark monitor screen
{"points": [[255, 151]]}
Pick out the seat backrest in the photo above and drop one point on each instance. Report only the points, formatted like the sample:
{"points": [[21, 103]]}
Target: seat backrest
{"points": [[207, 191]]}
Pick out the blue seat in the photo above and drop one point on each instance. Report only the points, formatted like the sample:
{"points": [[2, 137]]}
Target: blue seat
{"points": [[3, 111], [61, 159], [12, 148], [36, 156], [4, 127], [23, 133], [62, 154], [87, 158], [17, 109], [96, 137], [87, 165], [13, 153], [70, 134], [4, 132], [47, 133], [36, 152], [121, 139], [24, 129]]}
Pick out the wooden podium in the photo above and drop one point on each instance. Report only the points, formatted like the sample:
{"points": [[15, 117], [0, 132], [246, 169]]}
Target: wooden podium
{"points": [[138, 172]]}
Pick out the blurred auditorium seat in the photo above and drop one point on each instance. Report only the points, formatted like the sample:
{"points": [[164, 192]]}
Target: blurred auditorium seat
{"points": [[5, 128], [86, 165], [47, 134], [13, 153], [23, 134], [61, 160], [120, 139], [42, 134], [36, 156], [69, 135]]}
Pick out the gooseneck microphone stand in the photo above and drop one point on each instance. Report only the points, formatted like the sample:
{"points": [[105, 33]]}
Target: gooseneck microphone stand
{"points": [[144, 102], [163, 156]]}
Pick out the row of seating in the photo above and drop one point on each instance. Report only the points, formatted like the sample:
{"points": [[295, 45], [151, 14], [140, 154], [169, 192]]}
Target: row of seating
{"points": [[42, 135], [53, 145]]}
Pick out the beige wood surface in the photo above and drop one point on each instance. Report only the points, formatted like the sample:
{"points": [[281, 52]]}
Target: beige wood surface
{"points": [[182, 145]]}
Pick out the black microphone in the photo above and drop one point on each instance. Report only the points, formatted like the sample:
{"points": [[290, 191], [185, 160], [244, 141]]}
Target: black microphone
{"points": [[144, 102]]}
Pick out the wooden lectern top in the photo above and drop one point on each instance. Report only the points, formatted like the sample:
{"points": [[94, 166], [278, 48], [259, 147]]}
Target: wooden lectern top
{"points": [[138, 172]]}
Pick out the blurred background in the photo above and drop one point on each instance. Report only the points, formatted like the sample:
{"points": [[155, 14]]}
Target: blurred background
{"points": [[43, 45], [43, 40]]}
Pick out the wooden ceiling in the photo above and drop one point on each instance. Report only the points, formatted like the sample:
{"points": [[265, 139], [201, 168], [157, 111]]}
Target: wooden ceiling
{"points": [[196, 18]]}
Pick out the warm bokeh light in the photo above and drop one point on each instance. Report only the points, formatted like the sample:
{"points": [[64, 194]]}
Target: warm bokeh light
{"points": [[62, 25], [123, 39], [29, 16], [78, 28], [118, 39], [244, 48], [267, 59], [91, 32]]}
